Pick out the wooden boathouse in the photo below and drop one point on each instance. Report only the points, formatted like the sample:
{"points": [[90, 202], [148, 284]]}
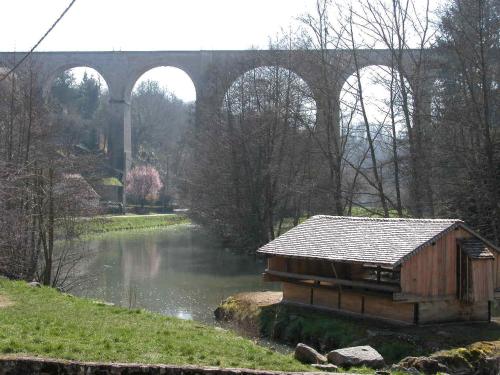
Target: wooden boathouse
{"points": [[415, 271]]}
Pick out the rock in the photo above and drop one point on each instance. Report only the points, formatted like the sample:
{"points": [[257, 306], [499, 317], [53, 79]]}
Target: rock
{"points": [[356, 356], [308, 355], [220, 314], [382, 372], [423, 364], [455, 364], [490, 365], [35, 284], [325, 367]]}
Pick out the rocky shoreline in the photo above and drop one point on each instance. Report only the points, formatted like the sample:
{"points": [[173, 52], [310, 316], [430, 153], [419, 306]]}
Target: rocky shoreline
{"points": [[460, 349]]}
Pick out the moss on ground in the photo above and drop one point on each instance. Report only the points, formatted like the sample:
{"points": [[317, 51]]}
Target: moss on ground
{"points": [[111, 181], [459, 359], [43, 322]]}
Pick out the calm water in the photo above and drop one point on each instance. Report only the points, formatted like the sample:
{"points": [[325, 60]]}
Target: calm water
{"points": [[176, 271]]}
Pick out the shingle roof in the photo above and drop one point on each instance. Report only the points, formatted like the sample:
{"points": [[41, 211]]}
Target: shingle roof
{"points": [[359, 239], [475, 248]]}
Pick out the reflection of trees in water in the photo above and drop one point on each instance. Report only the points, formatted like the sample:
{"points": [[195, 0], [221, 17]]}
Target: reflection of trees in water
{"points": [[174, 272], [140, 262]]}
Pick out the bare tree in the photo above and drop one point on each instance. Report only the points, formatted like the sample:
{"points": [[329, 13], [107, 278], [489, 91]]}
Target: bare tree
{"points": [[251, 172], [467, 121], [38, 215]]}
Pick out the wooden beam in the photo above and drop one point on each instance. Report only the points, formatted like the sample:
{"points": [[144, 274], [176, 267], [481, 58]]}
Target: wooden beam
{"points": [[358, 284], [407, 297]]}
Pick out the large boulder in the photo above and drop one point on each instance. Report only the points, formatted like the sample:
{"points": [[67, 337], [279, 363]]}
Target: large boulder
{"points": [[308, 355], [490, 365], [356, 356], [424, 365]]}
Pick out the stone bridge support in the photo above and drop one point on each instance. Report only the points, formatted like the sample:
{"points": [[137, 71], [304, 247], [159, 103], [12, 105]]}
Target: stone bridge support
{"points": [[212, 73]]}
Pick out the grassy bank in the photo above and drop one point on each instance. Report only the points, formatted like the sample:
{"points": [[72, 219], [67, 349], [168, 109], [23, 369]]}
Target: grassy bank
{"points": [[46, 323], [327, 331], [104, 224]]}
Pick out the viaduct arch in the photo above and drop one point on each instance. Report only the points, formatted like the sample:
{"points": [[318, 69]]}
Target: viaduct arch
{"points": [[213, 72]]}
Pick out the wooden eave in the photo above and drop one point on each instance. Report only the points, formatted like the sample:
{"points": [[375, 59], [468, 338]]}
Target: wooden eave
{"points": [[381, 264]]}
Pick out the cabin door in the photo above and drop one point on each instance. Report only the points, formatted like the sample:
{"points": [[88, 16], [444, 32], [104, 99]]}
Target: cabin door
{"points": [[464, 276]]}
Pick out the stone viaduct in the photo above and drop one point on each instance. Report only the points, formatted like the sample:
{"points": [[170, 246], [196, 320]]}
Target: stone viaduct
{"points": [[213, 72]]}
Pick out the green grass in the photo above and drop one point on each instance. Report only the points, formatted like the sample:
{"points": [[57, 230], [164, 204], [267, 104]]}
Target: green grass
{"points": [[43, 322], [104, 224]]}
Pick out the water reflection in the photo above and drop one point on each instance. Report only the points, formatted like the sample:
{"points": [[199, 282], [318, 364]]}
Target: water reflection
{"points": [[178, 272]]}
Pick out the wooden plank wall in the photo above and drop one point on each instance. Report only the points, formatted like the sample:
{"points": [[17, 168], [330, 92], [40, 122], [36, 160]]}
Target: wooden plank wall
{"points": [[328, 298], [383, 307], [452, 311], [296, 293], [482, 279], [350, 302], [496, 269], [277, 264], [432, 272]]}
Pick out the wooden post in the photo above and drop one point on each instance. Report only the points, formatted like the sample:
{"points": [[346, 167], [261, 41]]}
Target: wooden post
{"points": [[339, 286]]}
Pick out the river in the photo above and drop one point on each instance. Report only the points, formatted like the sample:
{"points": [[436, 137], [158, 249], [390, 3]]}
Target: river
{"points": [[178, 271]]}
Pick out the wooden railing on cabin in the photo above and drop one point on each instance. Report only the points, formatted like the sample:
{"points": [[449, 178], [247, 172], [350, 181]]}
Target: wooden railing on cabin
{"points": [[271, 275], [357, 275]]}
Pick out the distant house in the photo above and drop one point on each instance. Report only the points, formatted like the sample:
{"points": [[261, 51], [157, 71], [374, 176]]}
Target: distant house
{"points": [[76, 193], [110, 189], [408, 270]]}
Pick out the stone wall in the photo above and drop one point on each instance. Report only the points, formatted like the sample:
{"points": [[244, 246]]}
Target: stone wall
{"points": [[35, 366]]}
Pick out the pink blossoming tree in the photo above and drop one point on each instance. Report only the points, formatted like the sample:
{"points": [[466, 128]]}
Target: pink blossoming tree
{"points": [[143, 183]]}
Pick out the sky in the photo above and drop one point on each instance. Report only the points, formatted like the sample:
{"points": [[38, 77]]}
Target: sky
{"points": [[107, 25], [146, 24]]}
